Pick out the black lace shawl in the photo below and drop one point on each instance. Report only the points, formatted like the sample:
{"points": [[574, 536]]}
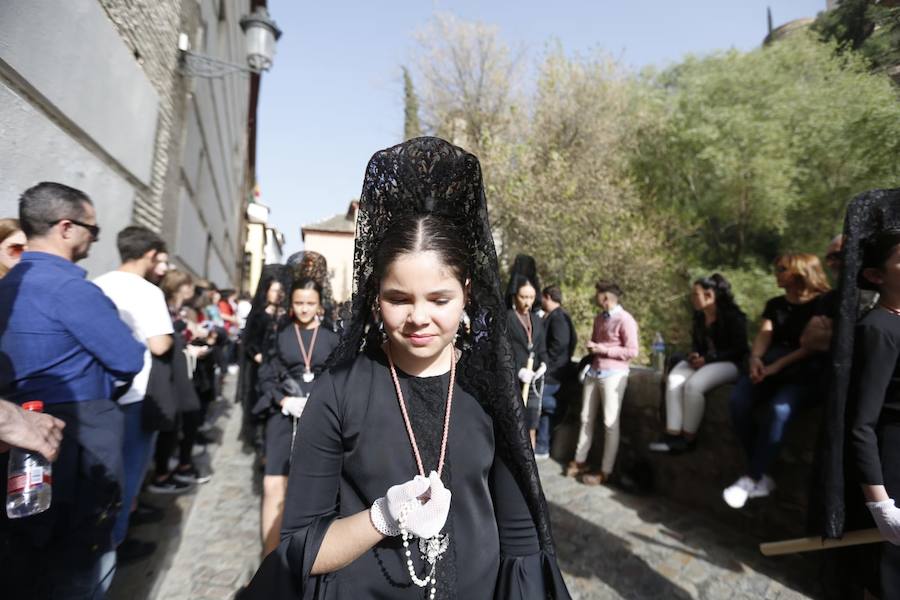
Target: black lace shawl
{"points": [[527, 267], [430, 175], [257, 333], [867, 214], [313, 265]]}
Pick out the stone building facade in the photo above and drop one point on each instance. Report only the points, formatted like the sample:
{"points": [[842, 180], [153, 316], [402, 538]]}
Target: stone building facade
{"points": [[91, 95], [333, 238]]}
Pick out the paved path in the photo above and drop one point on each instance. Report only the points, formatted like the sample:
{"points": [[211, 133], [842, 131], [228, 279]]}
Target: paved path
{"points": [[220, 546], [611, 544], [615, 545]]}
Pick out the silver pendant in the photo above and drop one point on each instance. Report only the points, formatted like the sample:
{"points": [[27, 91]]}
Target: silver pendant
{"points": [[308, 377], [433, 548]]}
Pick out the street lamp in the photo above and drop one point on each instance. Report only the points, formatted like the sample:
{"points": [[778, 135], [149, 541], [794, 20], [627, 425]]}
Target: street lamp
{"points": [[260, 35]]}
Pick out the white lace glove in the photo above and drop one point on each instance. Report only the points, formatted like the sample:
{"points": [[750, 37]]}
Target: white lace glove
{"points": [[541, 370], [887, 517], [293, 406], [429, 505], [385, 510], [526, 375]]}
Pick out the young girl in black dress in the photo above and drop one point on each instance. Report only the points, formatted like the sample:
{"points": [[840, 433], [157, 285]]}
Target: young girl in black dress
{"points": [[528, 339], [285, 380], [874, 417], [412, 473]]}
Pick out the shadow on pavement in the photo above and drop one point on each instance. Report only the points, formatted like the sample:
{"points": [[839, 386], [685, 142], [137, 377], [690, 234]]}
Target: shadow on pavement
{"points": [[588, 551]]}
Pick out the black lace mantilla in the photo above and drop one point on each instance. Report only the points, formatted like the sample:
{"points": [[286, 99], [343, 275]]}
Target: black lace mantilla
{"points": [[868, 213], [313, 265], [430, 175]]}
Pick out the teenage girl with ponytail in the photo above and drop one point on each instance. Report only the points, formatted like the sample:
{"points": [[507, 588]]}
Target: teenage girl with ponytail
{"points": [[718, 347]]}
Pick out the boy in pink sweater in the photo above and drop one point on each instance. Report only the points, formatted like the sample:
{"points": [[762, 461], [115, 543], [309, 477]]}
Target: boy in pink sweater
{"points": [[614, 343]]}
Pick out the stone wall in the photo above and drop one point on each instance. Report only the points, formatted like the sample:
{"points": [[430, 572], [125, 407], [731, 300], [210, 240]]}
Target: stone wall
{"points": [[91, 96], [697, 478]]}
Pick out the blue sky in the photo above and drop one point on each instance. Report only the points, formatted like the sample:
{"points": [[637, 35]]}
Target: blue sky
{"points": [[335, 94]]}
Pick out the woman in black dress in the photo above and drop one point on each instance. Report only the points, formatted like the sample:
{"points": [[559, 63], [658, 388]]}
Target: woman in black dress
{"points": [[528, 340], [875, 400], [417, 411], [285, 381], [267, 315]]}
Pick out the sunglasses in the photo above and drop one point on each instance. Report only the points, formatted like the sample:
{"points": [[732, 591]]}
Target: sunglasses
{"points": [[15, 249], [94, 230], [834, 256], [781, 269]]}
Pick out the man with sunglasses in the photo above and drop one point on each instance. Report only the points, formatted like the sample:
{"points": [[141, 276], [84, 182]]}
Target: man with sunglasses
{"points": [[62, 342]]}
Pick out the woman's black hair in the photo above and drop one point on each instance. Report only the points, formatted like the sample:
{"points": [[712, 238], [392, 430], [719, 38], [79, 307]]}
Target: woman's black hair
{"points": [[306, 283], [724, 296], [424, 233], [875, 252], [520, 281]]}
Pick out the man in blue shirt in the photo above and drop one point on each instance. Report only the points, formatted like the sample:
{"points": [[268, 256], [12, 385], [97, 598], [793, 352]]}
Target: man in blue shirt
{"points": [[62, 342]]}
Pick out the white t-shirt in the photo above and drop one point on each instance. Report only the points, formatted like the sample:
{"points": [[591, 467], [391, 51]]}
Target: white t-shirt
{"points": [[142, 306]]}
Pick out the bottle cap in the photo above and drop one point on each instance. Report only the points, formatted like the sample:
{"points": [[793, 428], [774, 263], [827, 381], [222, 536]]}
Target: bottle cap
{"points": [[34, 405]]}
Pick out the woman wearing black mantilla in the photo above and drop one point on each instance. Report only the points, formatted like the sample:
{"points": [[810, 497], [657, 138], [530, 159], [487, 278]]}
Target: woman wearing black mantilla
{"points": [[412, 474]]}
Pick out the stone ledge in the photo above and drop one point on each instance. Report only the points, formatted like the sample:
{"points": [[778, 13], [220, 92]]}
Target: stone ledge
{"points": [[697, 478]]}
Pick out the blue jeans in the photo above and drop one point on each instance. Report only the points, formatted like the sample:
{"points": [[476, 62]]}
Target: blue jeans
{"points": [[137, 447], [781, 401], [548, 408]]}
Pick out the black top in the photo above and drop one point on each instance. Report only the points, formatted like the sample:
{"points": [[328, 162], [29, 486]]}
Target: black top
{"points": [[518, 339], [789, 320], [875, 389], [284, 367], [352, 446], [725, 339], [561, 342]]}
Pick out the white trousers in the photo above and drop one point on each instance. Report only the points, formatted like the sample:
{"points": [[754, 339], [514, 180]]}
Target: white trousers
{"points": [[608, 392], [685, 392]]}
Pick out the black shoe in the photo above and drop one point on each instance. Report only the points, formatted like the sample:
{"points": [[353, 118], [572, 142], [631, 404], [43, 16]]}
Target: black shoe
{"points": [[190, 475], [672, 444], [169, 485], [203, 439], [145, 514], [132, 550]]}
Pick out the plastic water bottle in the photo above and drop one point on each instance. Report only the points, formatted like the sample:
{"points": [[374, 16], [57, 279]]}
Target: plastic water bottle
{"points": [[659, 352], [28, 484]]}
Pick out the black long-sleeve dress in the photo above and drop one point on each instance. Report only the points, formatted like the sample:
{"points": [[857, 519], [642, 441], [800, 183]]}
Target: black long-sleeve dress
{"points": [[875, 419], [352, 446], [280, 375], [518, 340]]}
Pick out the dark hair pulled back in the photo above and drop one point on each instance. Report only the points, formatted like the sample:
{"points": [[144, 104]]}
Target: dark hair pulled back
{"points": [[722, 288], [876, 250], [307, 283], [424, 233]]}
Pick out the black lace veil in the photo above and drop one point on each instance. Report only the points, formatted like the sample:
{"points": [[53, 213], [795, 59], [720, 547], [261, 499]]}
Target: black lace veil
{"points": [[867, 214], [527, 267], [313, 265], [430, 175]]}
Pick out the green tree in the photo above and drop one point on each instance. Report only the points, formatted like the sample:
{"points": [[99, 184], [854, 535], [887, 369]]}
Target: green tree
{"points": [[760, 151], [411, 127], [560, 191], [871, 28]]}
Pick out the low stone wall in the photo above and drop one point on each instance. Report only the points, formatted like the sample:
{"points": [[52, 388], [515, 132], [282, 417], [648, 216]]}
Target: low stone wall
{"points": [[697, 478]]}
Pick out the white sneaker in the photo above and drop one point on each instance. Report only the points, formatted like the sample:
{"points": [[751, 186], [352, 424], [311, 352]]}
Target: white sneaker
{"points": [[737, 494], [763, 487]]}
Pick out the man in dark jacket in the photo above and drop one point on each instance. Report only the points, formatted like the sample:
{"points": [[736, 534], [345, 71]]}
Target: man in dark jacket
{"points": [[62, 342], [561, 340]]}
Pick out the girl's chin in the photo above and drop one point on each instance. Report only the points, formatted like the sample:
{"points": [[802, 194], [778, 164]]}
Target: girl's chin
{"points": [[421, 348]]}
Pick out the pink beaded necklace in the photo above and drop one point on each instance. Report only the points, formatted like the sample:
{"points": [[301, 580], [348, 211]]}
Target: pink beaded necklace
{"points": [[409, 430]]}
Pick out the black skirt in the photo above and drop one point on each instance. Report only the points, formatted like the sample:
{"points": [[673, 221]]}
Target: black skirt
{"points": [[279, 433]]}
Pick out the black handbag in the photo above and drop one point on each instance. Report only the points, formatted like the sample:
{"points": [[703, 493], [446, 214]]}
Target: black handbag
{"points": [[160, 406]]}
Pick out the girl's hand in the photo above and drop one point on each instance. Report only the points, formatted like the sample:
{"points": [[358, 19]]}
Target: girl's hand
{"points": [[887, 518], [757, 369]]}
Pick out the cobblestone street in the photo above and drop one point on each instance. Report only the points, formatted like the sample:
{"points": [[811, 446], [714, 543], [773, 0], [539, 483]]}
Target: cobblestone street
{"points": [[611, 544]]}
